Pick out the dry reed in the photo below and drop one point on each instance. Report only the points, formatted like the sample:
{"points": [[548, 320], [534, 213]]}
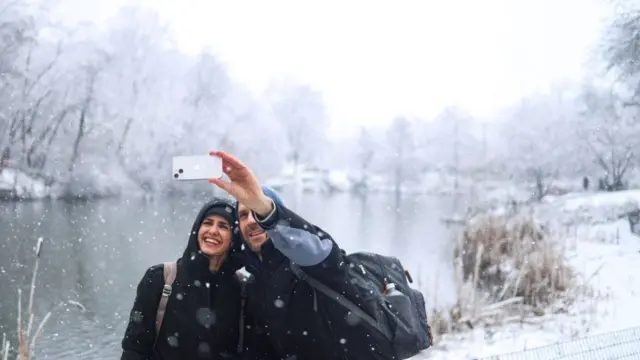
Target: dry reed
{"points": [[4, 347], [509, 257], [508, 268], [26, 337]]}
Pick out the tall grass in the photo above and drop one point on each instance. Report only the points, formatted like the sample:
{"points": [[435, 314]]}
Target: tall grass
{"points": [[27, 333], [4, 347], [508, 268], [513, 256]]}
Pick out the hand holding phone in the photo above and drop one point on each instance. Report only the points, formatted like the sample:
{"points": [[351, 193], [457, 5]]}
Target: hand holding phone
{"points": [[243, 184], [197, 167]]}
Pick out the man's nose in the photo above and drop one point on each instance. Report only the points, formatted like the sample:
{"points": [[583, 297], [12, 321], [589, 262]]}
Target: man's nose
{"points": [[250, 218]]}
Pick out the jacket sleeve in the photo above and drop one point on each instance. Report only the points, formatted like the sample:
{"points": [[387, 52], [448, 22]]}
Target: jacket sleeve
{"points": [[139, 336], [304, 243]]}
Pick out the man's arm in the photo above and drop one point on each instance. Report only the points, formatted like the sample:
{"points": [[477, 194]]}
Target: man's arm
{"points": [[140, 334], [303, 243]]}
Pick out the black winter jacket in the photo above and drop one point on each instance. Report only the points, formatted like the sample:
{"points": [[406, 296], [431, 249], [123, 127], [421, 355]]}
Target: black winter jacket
{"points": [[301, 323], [202, 319]]}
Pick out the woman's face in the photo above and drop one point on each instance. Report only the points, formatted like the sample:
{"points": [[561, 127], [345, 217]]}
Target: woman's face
{"points": [[214, 236]]}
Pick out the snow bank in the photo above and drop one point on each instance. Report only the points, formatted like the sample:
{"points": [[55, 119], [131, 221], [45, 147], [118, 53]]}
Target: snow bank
{"points": [[589, 208], [613, 275], [606, 256], [21, 185], [107, 180]]}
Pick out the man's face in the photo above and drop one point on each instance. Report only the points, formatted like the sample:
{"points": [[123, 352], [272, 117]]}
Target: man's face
{"points": [[251, 231]]}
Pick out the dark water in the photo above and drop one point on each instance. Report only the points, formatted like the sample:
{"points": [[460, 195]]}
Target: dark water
{"points": [[96, 252]]}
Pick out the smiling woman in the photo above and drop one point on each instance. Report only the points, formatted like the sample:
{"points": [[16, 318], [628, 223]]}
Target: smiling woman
{"points": [[215, 235], [205, 285]]}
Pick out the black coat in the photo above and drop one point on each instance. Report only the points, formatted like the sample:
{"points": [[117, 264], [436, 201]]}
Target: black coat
{"points": [[202, 319], [301, 323]]}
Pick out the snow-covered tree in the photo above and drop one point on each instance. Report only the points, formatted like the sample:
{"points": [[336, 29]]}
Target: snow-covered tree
{"points": [[401, 162], [453, 143], [364, 157], [101, 111], [300, 109], [610, 131], [210, 99], [541, 141], [620, 49], [27, 69]]}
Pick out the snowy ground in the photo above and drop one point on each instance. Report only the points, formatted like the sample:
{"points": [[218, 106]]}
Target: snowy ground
{"points": [[607, 257], [24, 185]]}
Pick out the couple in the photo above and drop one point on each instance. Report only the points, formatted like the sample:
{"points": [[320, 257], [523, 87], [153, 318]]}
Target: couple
{"points": [[275, 314]]}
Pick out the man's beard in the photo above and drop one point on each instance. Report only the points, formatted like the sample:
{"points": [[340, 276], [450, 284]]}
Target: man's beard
{"points": [[257, 247]]}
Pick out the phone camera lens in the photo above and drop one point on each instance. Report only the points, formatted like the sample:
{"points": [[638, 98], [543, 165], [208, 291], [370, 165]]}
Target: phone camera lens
{"points": [[180, 171], [175, 175]]}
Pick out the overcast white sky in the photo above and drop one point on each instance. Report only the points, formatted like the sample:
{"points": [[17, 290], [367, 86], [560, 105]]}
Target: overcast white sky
{"points": [[374, 60]]}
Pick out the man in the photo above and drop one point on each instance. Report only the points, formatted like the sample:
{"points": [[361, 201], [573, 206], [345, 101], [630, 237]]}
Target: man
{"points": [[302, 324]]}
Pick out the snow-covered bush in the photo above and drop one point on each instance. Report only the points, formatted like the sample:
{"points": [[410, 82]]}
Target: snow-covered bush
{"points": [[509, 268], [512, 256]]}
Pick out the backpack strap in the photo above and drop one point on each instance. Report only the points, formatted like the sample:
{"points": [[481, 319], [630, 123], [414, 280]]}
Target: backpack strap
{"points": [[169, 273], [243, 301], [332, 294]]}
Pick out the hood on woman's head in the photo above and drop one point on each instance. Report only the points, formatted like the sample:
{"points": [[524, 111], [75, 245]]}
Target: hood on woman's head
{"points": [[209, 228], [223, 210]]}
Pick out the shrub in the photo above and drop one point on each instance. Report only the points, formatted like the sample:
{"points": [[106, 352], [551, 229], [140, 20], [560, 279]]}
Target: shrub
{"points": [[508, 269], [512, 257]]}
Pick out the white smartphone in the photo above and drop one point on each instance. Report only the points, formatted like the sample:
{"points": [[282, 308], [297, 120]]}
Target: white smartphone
{"points": [[197, 167]]}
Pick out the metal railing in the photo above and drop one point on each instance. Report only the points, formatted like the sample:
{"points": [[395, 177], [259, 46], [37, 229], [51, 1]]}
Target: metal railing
{"points": [[622, 344]]}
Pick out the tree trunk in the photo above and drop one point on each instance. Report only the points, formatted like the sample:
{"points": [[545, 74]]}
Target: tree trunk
{"points": [[76, 145], [398, 183]]}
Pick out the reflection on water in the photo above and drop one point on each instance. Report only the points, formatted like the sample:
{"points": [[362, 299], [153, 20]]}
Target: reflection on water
{"points": [[96, 252]]}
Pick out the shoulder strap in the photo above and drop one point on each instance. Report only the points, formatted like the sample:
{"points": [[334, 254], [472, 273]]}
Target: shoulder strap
{"points": [[169, 273], [332, 294], [242, 279]]}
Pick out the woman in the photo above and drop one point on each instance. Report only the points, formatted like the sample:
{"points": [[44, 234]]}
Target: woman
{"points": [[203, 317]]}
